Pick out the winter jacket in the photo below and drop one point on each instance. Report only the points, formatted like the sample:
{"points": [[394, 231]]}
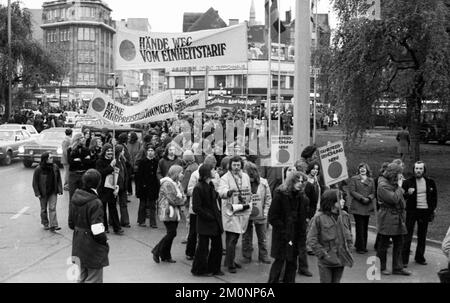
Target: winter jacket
{"points": [[187, 176], [87, 210], [193, 180], [147, 183], [235, 221], [165, 164], [273, 175], [358, 190], [411, 200], [171, 198], [330, 238], [134, 149], [206, 206], [104, 167], [40, 180], [77, 158], [287, 215], [392, 214], [264, 195]]}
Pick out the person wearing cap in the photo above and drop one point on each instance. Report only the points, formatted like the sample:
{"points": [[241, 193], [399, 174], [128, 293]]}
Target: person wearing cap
{"points": [[47, 185]]}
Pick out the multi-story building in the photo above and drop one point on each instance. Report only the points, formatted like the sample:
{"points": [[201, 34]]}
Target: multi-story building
{"points": [[83, 30]]}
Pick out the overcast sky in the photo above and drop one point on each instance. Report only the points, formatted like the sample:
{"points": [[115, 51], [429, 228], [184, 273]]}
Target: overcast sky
{"points": [[167, 15]]}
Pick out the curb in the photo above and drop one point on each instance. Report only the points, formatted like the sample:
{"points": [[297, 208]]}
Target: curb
{"points": [[434, 243]]}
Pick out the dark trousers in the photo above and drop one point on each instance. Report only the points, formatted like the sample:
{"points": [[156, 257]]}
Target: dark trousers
{"points": [[383, 245], [165, 245], [110, 202], [124, 217], [89, 275], [231, 240], [330, 274], [421, 216], [290, 267], [361, 227], [302, 255], [206, 260], [192, 236], [145, 204]]}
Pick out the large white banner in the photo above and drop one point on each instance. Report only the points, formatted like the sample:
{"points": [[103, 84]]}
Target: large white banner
{"points": [[155, 108], [146, 50]]}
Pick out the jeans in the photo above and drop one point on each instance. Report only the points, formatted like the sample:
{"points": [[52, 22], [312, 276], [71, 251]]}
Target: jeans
{"points": [[108, 200], [74, 182], [124, 217], [145, 204], [206, 260], [231, 241], [361, 228], [162, 249], [421, 216], [330, 274], [89, 275], [290, 267], [50, 203], [247, 241], [192, 236], [383, 245]]}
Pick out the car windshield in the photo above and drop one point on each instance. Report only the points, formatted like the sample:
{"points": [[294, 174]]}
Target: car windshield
{"points": [[7, 135], [52, 136]]}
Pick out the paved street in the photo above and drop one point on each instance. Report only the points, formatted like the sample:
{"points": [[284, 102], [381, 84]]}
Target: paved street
{"points": [[30, 254]]}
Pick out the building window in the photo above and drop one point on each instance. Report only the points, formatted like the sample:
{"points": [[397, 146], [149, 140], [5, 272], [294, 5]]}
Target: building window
{"points": [[220, 81], [199, 82], [92, 34], [180, 82], [240, 81], [86, 34]]}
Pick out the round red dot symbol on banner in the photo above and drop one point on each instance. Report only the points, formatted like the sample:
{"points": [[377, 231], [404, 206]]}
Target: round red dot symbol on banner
{"points": [[335, 170], [283, 156], [98, 104], [127, 50]]}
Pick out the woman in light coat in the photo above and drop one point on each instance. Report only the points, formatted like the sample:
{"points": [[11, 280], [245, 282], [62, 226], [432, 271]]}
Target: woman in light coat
{"points": [[260, 195], [171, 198], [235, 192]]}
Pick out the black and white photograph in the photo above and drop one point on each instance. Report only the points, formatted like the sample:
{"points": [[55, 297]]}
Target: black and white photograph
{"points": [[243, 143]]}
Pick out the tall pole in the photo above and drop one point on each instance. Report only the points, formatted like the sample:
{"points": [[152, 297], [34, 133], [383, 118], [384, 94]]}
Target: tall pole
{"points": [[315, 76], [269, 74], [10, 74], [301, 85], [279, 72]]}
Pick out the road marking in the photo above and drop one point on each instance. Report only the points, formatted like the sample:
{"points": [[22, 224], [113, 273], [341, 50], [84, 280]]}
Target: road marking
{"points": [[23, 210]]}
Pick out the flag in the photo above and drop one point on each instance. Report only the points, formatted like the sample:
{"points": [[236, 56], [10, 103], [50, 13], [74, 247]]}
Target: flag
{"points": [[275, 16]]}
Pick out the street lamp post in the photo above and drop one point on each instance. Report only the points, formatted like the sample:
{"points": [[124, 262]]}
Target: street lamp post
{"points": [[9, 62]]}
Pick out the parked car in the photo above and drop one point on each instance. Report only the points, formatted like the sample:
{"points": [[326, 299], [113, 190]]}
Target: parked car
{"points": [[434, 131], [13, 126], [49, 140], [10, 142], [96, 130]]}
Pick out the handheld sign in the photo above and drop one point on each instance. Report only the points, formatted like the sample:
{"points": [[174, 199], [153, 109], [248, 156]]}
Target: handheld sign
{"points": [[334, 163], [282, 152]]}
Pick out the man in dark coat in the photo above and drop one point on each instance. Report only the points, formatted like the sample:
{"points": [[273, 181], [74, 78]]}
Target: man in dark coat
{"points": [[147, 186], [209, 225], [89, 244], [47, 185], [421, 202]]}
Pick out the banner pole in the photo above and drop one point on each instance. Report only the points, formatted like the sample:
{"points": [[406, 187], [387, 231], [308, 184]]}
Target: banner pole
{"points": [[279, 70]]}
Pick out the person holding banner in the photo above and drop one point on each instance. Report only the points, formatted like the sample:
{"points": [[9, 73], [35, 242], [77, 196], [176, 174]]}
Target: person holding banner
{"points": [[261, 200], [234, 190], [106, 166], [362, 204], [287, 215], [330, 237]]}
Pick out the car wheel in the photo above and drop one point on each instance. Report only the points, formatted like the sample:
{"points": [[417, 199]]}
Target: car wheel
{"points": [[27, 163], [7, 160]]}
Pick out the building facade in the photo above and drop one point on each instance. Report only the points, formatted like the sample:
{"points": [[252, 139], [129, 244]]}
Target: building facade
{"points": [[83, 30]]}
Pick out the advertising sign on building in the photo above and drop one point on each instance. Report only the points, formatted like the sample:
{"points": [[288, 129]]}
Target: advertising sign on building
{"points": [[282, 151], [155, 108], [334, 163], [147, 50]]}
